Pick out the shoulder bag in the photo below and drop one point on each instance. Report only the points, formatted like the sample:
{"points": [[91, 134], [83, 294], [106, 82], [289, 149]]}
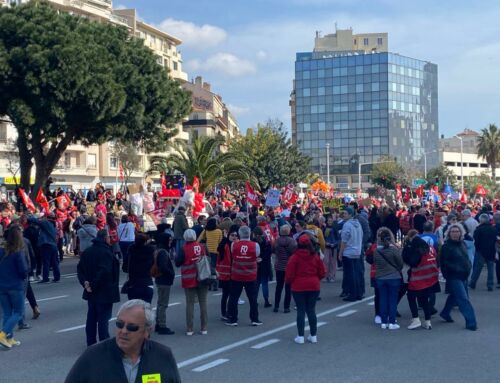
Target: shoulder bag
{"points": [[203, 270], [404, 285]]}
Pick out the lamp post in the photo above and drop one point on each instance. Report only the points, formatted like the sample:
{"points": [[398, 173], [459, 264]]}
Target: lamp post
{"points": [[461, 161], [328, 164], [425, 162]]}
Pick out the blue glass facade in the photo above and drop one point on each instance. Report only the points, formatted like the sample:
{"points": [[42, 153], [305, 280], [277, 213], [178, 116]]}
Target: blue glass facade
{"points": [[366, 106]]}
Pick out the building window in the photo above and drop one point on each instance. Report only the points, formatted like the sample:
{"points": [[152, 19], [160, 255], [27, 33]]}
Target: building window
{"points": [[365, 41], [3, 132], [380, 41], [159, 60], [67, 160], [175, 65], [91, 161], [113, 162]]}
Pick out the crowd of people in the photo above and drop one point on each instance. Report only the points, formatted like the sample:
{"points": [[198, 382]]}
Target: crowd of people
{"points": [[410, 250]]}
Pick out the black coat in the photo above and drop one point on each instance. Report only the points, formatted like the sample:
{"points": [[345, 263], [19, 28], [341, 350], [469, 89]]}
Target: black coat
{"points": [[485, 238], [454, 260], [102, 363], [141, 260], [166, 268], [264, 267], [99, 266], [413, 251]]}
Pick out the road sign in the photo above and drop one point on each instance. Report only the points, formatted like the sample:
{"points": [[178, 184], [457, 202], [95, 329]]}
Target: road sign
{"points": [[419, 181]]}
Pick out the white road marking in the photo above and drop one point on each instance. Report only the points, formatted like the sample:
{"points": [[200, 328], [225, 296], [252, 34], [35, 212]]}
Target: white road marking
{"points": [[217, 295], [49, 299], [215, 363], [77, 327], [265, 344], [174, 304], [371, 304], [265, 334], [67, 276], [347, 313], [319, 324]]}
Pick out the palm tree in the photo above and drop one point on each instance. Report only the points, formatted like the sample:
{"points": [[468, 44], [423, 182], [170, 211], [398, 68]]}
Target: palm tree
{"points": [[488, 147], [203, 160]]}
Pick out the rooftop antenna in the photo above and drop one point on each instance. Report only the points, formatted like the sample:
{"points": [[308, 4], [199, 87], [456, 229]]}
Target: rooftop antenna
{"points": [[335, 26]]}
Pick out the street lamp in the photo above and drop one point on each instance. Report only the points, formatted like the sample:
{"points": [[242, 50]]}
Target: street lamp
{"points": [[367, 163], [328, 164], [425, 162], [461, 161]]}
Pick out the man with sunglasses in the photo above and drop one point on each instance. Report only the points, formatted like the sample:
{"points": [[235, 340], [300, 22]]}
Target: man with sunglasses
{"points": [[129, 357]]}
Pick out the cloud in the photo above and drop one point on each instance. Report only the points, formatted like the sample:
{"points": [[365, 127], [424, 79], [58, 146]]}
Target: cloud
{"points": [[262, 55], [194, 36], [228, 64], [238, 110]]}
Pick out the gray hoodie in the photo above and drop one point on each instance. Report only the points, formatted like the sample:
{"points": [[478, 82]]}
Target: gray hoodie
{"points": [[352, 235], [86, 234]]}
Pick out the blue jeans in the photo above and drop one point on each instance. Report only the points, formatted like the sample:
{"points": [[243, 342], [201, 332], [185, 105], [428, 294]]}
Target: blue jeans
{"points": [[264, 281], [459, 295], [178, 246], [389, 294], [479, 262], [50, 258], [351, 277], [98, 316], [12, 302]]}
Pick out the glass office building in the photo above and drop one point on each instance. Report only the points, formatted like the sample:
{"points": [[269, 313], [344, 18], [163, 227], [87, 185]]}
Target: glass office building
{"points": [[367, 106]]}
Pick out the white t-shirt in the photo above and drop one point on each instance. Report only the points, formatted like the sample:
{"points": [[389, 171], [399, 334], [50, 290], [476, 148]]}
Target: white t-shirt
{"points": [[126, 232]]}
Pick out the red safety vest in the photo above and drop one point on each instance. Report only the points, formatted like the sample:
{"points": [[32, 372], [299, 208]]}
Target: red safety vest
{"points": [[244, 267], [426, 273], [192, 253], [223, 266]]}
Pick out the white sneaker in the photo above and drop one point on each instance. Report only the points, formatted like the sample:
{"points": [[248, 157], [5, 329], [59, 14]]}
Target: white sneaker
{"points": [[378, 319], [312, 339], [427, 325], [241, 302], [415, 323], [383, 326], [299, 339], [393, 326]]}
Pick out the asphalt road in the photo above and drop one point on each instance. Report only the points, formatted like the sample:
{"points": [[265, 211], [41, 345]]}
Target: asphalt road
{"points": [[350, 348]]}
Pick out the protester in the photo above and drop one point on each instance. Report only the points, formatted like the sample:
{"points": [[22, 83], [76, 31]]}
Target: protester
{"points": [[99, 275], [264, 268], [129, 357], [304, 272], [87, 233], [186, 259], [485, 239], [284, 247], [212, 236], [47, 244], [164, 279], [223, 269], [126, 234]]}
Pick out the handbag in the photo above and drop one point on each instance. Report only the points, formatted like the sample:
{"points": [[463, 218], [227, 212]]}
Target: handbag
{"points": [[404, 285], [127, 285], [203, 271]]}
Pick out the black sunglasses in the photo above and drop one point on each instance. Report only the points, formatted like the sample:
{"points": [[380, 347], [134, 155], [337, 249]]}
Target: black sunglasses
{"points": [[130, 326]]}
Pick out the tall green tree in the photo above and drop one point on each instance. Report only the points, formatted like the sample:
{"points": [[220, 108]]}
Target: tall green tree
{"points": [[128, 157], [441, 175], [65, 79], [204, 160], [488, 147], [387, 173], [270, 156]]}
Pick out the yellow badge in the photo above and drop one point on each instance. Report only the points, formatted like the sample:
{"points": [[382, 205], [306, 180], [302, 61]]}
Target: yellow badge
{"points": [[151, 378]]}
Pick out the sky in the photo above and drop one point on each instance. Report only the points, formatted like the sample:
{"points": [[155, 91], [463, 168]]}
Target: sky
{"points": [[246, 49]]}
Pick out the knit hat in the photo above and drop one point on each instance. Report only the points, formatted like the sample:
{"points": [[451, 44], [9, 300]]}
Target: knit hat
{"points": [[304, 240]]}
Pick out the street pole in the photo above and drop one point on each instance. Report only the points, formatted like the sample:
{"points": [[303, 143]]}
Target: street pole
{"points": [[359, 175], [425, 165], [461, 161], [328, 164]]}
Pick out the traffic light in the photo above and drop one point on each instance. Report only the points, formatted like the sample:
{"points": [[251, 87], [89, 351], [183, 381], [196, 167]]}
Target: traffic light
{"points": [[437, 180]]}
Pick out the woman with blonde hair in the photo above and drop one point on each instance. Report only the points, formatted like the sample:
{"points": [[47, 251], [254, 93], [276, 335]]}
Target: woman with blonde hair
{"points": [[13, 273], [456, 267]]}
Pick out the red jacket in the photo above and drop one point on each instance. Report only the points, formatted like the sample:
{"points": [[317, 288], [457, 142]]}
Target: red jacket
{"points": [[371, 252], [192, 253], [244, 266], [223, 266], [304, 271]]}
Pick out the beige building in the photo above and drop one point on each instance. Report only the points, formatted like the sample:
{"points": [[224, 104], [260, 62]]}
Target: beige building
{"points": [[82, 167], [450, 154], [210, 116], [343, 40]]}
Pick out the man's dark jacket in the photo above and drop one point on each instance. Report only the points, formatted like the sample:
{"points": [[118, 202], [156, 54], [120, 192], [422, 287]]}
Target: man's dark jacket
{"points": [[485, 238], [102, 363], [101, 268]]}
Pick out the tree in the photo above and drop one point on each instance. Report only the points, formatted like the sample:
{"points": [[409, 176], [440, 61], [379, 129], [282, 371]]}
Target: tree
{"points": [[204, 160], [387, 173], [65, 79], [128, 158], [484, 179], [488, 147], [443, 175], [270, 156]]}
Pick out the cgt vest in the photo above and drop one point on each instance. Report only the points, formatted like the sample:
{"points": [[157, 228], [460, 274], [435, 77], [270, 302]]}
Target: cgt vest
{"points": [[223, 266], [192, 253], [426, 273], [244, 267]]}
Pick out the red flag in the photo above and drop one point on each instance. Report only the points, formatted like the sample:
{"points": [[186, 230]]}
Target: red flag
{"points": [[27, 200], [122, 177], [420, 191], [42, 200], [463, 197], [289, 194], [407, 194], [62, 202], [251, 195], [196, 184], [480, 190], [399, 195]]}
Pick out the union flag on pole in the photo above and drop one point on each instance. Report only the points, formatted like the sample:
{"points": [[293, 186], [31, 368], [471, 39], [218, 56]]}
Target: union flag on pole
{"points": [[290, 196], [27, 200], [63, 201], [42, 200], [251, 195], [196, 184], [122, 177], [399, 195]]}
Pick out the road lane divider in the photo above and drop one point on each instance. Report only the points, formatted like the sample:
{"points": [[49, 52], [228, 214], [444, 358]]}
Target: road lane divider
{"points": [[49, 299], [213, 364], [264, 334], [265, 344], [347, 313]]}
